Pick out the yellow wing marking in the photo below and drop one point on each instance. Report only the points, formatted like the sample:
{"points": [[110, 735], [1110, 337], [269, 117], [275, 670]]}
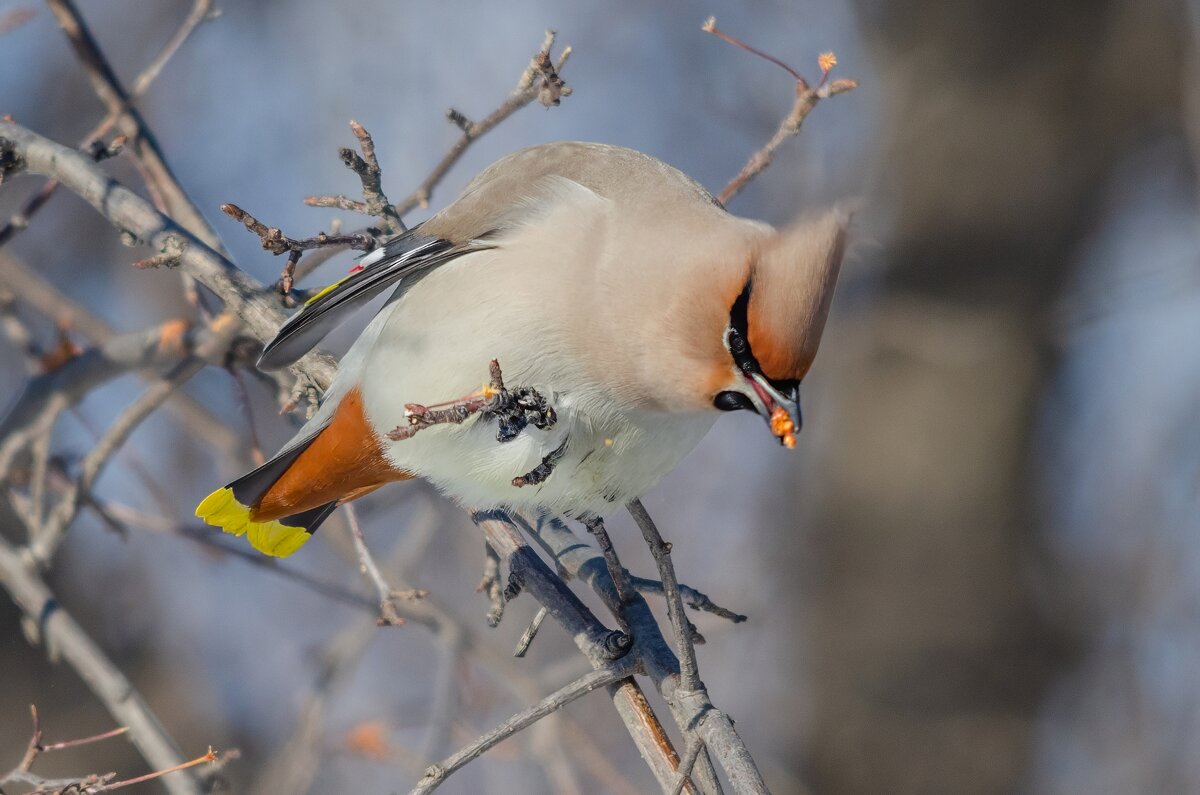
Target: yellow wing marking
{"points": [[324, 291]]}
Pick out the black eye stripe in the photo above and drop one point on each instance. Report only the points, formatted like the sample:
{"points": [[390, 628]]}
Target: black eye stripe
{"points": [[738, 341], [738, 335]]}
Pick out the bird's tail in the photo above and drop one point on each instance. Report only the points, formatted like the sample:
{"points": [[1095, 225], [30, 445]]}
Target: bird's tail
{"points": [[233, 508], [338, 457]]}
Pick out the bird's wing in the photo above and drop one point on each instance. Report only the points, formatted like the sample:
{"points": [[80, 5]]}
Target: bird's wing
{"points": [[407, 255], [516, 190]]}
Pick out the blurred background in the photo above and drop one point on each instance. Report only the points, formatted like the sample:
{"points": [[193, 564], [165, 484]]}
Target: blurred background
{"points": [[980, 572]]}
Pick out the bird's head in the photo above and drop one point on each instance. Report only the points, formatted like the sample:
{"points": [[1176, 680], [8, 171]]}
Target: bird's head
{"points": [[770, 331]]}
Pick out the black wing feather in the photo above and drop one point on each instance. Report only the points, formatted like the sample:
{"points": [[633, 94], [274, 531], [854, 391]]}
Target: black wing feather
{"points": [[408, 254]]}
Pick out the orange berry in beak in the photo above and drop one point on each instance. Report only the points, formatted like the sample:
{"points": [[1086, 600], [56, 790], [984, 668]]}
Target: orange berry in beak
{"points": [[781, 424]]}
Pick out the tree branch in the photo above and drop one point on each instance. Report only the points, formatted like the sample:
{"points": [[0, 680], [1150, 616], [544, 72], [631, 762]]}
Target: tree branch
{"points": [[48, 300], [50, 536], [245, 296], [58, 633], [143, 146]]}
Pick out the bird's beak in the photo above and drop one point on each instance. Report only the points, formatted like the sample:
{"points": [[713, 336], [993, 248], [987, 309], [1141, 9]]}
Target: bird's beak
{"points": [[780, 410]]}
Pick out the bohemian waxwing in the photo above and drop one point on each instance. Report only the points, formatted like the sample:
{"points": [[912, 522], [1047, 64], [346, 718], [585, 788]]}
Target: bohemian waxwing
{"points": [[602, 280]]}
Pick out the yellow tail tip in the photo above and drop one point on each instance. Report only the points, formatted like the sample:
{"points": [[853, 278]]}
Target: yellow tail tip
{"points": [[221, 509]]}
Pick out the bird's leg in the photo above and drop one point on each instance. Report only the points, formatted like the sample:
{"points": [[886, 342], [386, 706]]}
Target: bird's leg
{"points": [[512, 409], [595, 526], [543, 470]]}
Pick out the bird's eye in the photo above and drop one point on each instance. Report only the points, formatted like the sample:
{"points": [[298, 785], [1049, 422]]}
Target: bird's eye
{"points": [[732, 401], [737, 343]]}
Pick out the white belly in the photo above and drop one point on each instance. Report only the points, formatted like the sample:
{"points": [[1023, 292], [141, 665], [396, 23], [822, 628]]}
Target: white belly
{"points": [[612, 453], [603, 464]]}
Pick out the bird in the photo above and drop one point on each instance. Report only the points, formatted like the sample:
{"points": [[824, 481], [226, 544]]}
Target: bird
{"points": [[625, 307]]}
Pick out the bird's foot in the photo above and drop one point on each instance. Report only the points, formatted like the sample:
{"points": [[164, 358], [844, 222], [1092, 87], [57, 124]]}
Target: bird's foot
{"points": [[513, 410], [516, 409]]}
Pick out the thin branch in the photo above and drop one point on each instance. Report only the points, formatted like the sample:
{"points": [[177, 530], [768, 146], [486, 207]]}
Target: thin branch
{"points": [[807, 97], [689, 674], [95, 738], [693, 598], [585, 684], [388, 617], [695, 746], [616, 571], [710, 26], [35, 742], [375, 201], [489, 585], [160, 180], [208, 758], [61, 636], [540, 81], [275, 241], [33, 289], [50, 536], [200, 11], [531, 631]]}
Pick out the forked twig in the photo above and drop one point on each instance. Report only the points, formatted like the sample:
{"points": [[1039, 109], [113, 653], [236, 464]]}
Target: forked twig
{"points": [[275, 241], [541, 80], [807, 97]]}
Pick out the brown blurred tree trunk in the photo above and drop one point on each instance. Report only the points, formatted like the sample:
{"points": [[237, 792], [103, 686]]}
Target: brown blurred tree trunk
{"points": [[933, 636]]}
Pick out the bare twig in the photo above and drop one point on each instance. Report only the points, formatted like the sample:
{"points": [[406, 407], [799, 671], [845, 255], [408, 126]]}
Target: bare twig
{"points": [[95, 738], [590, 681], [693, 598], [489, 585], [616, 571], [161, 181], [388, 617], [207, 758], [710, 26], [689, 676], [200, 11], [695, 746], [375, 201], [531, 631], [276, 242], [62, 636], [807, 97], [540, 81]]}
